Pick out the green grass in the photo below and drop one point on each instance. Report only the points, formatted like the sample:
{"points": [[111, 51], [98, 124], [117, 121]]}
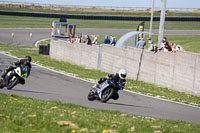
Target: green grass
{"points": [[25, 115], [35, 22], [44, 43], [90, 74]]}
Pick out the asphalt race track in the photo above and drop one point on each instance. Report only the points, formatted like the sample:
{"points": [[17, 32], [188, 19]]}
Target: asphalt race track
{"points": [[49, 85], [21, 35]]}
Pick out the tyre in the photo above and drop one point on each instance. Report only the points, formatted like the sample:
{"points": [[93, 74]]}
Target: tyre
{"points": [[91, 96], [115, 96], [12, 83], [107, 94], [1, 84]]}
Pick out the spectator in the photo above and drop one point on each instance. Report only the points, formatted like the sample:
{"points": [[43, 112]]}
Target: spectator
{"points": [[107, 40], [140, 44], [163, 43], [167, 48], [154, 48], [78, 38], [165, 40], [176, 47], [71, 39], [88, 40], [150, 44], [113, 40], [95, 40]]}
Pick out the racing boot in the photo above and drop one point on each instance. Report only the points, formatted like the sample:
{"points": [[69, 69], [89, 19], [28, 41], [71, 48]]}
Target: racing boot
{"points": [[96, 86]]}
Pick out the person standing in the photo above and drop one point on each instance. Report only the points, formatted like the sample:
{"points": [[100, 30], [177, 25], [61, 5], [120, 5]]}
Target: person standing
{"points": [[95, 40], [88, 40], [150, 45], [107, 40], [113, 40], [140, 44]]}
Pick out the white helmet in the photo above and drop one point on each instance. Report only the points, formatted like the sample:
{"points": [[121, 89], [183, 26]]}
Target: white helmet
{"points": [[122, 74]]}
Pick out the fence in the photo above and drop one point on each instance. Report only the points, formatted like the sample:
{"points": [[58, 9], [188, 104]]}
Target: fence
{"points": [[179, 71]]}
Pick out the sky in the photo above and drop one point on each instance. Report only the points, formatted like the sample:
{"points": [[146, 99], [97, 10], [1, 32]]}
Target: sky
{"points": [[118, 3]]}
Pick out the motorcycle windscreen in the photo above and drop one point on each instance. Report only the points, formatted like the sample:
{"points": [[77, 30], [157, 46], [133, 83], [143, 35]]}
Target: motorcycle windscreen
{"points": [[24, 71]]}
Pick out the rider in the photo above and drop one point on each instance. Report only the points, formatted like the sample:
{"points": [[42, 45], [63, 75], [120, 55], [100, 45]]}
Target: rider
{"points": [[118, 77], [26, 61]]}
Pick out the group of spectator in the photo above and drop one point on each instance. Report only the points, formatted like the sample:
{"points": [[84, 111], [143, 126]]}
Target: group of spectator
{"points": [[80, 39], [111, 41], [87, 40], [165, 46]]}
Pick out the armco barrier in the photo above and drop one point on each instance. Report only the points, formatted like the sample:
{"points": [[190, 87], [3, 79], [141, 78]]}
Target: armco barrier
{"points": [[179, 71]]}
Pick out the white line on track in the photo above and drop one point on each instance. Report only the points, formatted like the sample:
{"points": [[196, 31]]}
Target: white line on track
{"points": [[93, 82], [36, 44]]}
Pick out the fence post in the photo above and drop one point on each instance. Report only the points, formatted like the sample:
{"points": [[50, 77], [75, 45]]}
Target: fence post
{"points": [[99, 58]]}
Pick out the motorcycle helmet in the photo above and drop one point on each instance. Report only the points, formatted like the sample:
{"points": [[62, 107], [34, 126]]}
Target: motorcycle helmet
{"points": [[122, 74], [28, 58]]}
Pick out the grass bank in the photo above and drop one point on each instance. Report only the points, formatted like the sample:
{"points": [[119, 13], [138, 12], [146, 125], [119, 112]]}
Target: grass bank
{"points": [[34, 22], [25, 115], [137, 86]]}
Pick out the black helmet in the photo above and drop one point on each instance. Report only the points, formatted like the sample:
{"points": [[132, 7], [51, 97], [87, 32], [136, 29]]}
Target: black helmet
{"points": [[28, 58]]}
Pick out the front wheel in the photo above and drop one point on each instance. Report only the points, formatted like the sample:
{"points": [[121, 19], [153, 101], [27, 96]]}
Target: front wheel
{"points": [[107, 94], [1, 84], [13, 81], [91, 96]]}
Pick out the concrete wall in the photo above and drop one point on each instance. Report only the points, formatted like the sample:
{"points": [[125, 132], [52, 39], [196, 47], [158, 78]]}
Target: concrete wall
{"points": [[179, 71], [75, 53]]}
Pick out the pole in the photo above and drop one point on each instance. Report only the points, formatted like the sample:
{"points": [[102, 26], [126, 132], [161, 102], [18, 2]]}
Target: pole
{"points": [[162, 22], [151, 22]]}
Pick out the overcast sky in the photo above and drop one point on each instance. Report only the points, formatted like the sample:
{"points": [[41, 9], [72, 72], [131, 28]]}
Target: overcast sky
{"points": [[119, 3]]}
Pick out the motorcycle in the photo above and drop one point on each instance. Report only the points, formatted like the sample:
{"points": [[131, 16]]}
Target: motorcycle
{"points": [[13, 77], [105, 91]]}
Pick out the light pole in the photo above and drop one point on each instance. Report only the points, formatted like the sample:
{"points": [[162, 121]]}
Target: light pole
{"points": [[162, 22], [151, 22]]}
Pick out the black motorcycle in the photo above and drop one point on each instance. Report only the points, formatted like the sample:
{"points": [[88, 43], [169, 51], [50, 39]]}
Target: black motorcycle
{"points": [[105, 91], [12, 78]]}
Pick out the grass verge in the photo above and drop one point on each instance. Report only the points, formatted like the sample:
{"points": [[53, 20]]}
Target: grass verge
{"points": [[137, 86], [25, 115]]}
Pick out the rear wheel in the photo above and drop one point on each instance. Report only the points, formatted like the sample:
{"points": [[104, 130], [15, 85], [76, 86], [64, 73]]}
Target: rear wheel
{"points": [[107, 94], [13, 81], [115, 96]]}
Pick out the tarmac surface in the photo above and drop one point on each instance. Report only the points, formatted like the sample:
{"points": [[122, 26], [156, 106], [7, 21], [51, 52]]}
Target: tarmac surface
{"points": [[22, 35], [46, 84]]}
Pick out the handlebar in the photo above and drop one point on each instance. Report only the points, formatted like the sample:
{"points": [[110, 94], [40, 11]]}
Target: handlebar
{"points": [[119, 86]]}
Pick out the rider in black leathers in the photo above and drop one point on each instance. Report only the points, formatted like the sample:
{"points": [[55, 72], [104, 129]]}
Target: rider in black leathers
{"points": [[26, 61], [118, 77]]}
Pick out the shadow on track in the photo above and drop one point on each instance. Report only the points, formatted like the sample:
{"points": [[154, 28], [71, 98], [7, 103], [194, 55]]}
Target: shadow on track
{"points": [[125, 105], [32, 91]]}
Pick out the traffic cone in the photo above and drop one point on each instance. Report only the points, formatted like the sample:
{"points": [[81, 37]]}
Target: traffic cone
{"points": [[31, 35], [12, 35]]}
